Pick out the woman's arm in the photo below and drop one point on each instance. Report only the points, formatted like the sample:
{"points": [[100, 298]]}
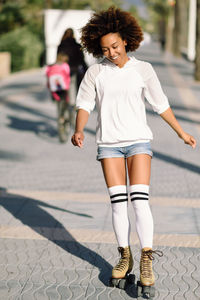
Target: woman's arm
{"points": [[168, 116], [81, 120]]}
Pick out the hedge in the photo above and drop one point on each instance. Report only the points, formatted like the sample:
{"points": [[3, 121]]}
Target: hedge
{"points": [[25, 48]]}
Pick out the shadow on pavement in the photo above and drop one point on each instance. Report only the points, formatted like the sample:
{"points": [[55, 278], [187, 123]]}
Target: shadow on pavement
{"points": [[38, 127], [178, 162], [178, 117], [37, 90], [181, 107], [30, 213], [18, 107], [11, 156], [20, 85]]}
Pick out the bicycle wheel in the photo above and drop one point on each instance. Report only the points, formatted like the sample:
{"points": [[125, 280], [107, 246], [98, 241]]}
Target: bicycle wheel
{"points": [[63, 131]]}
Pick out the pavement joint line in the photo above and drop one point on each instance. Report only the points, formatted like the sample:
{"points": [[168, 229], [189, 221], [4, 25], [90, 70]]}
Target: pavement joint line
{"points": [[48, 196], [92, 236]]}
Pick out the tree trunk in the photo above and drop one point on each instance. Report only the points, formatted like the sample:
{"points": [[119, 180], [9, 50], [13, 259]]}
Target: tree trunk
{"points": [[48, 4], [169, 31], [177, 29], [197, 59]]}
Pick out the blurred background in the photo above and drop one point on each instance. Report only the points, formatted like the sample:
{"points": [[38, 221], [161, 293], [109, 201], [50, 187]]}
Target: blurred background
{"points": [[30, 30]]}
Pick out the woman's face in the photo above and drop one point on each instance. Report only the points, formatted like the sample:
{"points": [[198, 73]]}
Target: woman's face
{"points": [[113, 48]]}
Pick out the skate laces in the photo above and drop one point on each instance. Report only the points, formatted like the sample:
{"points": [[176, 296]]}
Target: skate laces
{"points": [[146, 261], [150, 253], [124, 260]]}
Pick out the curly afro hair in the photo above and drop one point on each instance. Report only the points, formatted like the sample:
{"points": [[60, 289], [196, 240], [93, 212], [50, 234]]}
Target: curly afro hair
{"points": [[113, 20]]}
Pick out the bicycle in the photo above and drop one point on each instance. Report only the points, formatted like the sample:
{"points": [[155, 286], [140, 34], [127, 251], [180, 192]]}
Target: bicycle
{"points": [[66, 117]]}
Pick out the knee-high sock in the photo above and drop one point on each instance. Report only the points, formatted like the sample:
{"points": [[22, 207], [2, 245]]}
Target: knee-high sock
{"points": [[139, 194], [119, 202]]}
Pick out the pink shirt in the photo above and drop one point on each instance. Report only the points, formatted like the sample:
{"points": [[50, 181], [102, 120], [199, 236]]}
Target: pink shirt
{"points": [[61, 71]]}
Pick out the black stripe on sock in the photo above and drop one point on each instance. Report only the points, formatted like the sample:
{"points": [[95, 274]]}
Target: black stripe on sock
{"points": [[119, 200], [116, 195], [142, 193], [139, 198]]}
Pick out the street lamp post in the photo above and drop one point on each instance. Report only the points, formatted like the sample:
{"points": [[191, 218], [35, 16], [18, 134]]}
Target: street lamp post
{"points": [[197, 59], [192, 30]]}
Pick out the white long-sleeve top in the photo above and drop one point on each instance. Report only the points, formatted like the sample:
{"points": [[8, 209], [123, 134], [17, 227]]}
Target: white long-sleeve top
{"points": [[119, 95]]}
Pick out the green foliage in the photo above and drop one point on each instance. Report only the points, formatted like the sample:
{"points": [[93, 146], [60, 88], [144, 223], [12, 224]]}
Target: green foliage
{"points": [[159, 7], [134, 12], [24, 46], [82, 4], [159, 11], [104, 4], [11, 17], [77, 4], [21, 29], [69, 4]]}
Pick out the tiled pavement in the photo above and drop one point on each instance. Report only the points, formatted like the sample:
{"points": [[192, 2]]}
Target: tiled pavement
{"points": [[56, 239]]}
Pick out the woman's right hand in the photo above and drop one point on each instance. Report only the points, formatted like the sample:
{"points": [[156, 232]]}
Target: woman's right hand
{"points": [[77, 139], [189, 139]]}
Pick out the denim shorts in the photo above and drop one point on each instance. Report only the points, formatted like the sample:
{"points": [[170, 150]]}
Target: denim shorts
{"points": [[127, 151]]}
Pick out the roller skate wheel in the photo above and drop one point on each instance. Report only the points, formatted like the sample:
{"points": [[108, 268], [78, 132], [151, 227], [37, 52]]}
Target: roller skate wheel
{"points": [[146, 292], [149, 291], [113, 282], [122, 284], [139, 289], [117, 282]]}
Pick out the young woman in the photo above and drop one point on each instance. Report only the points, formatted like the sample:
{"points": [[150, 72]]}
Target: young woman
{"points": [[118, 86]]}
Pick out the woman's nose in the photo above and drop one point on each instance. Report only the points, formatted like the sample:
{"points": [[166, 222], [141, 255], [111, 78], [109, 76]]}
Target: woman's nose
{"points": [[112, 52]]}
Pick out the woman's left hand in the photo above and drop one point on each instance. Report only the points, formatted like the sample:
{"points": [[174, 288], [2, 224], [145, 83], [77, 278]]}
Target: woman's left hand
{"points": [[189, 139]]}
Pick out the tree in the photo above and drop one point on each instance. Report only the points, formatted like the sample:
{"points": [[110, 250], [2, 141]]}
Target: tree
{"points": [[81, 4], [177, 28], [180, 26], [104, 4], [11, 16], [159, 12], [197, 59], [134, 12], [21, 29]]}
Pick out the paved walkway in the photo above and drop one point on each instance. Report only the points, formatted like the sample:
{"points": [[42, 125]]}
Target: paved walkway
{"points": [[56, 239]]}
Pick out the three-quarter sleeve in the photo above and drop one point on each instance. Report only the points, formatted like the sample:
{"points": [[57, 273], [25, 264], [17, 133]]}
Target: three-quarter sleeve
{"points": [[87, 92], [153, 91]]}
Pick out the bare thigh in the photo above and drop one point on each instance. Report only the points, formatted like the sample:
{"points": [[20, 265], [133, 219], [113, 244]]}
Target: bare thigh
{"points": [[114, 170], [139, 169]]}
